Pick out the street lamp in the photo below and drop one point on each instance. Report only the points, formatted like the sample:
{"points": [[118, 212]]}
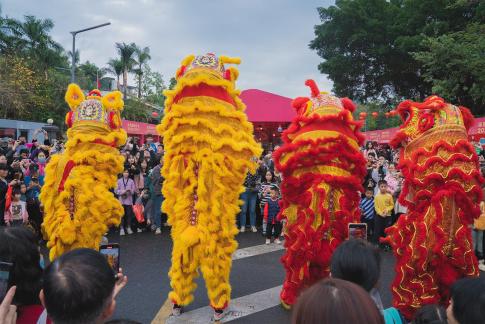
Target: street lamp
{"points": [[73, 56]]}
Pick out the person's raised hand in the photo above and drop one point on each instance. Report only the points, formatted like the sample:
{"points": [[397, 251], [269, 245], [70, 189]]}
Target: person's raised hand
{"points": [[8, 312], [121, 281]]}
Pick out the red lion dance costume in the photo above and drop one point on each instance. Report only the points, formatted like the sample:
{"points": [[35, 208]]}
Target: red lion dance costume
{"points": [[441, 189], [323, 170]]}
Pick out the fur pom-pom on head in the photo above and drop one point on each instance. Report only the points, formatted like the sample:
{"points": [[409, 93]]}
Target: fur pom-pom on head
{"points": [[74, 96], [313, 87], [113, 101], [299, 104], [348, 104], [231, 74], [187, 60]]}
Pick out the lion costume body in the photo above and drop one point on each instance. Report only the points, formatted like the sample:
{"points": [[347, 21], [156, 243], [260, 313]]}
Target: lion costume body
{"points": [[442, 190], [208, 149], [323, 170], [76, 195]]}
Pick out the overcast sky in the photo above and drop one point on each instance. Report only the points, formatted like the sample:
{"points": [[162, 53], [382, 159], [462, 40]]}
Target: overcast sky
{"points": [[270, 36]]}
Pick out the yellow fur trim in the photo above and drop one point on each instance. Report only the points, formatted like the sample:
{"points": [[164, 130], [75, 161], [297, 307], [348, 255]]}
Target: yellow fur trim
{"points": [[80, 214], [229, 60], [187, 60], [74, 96], [113, 101], [208, 149]]}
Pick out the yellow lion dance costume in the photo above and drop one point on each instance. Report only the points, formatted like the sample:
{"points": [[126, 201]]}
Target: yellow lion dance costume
{"points": [[442, 190], [323, 170], [76, 196], [208, 145]]}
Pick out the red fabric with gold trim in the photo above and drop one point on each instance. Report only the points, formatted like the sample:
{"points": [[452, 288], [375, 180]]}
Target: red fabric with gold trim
{"points": [[323, 170], [442, 189]]}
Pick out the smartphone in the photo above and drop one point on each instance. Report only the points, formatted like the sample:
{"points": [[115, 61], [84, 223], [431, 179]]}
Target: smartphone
{"points": [[5, 270], [358, 231], [112, 253]]}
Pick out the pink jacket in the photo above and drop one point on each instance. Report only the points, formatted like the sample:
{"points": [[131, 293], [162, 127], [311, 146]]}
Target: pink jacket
{"points": [[12, 209], [392, 183]]}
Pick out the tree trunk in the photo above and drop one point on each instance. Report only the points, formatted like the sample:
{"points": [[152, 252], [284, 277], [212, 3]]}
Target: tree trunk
{"points": [[118, 82], [125, 82], [139, 82]]}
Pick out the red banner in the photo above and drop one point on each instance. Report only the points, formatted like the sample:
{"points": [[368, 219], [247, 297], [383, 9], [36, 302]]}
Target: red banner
{"points": [[137, 128]]}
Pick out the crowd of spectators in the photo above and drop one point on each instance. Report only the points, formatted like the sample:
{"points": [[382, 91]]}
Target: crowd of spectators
{"points": [[22, 170]]}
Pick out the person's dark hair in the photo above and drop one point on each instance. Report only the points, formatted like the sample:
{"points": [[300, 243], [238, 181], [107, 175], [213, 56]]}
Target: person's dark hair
{"points": [[3, 167], [430, 314], [78, 286], [468, 297], [18, 245], [275, 189], [381, 182], [336, 301], [122, 321], [357, 261], [24, 151]]}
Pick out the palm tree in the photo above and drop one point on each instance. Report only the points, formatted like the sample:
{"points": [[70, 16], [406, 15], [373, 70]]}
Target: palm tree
{"points": [[115, 67], [10, 34], [39, 44], [142, 57], [126, 52]]}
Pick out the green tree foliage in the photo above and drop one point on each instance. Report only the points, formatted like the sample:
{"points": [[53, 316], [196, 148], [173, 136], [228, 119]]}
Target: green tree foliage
{"points": [[142, 56], [126, 52], [368, 46], [455, 64], [115, 67], [35, 72]]}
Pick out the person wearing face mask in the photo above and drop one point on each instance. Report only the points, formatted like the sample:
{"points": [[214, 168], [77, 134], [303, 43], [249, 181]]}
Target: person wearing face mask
{"points": [[16, 214]]}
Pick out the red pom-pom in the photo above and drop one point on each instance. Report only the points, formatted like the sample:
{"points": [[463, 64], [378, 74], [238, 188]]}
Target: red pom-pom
{"points": [[313, 87], [69, 119], [227, 75], [299, 103], [348, 104], [181, 71]]}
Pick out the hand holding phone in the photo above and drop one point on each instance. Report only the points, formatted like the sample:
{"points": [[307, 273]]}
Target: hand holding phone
{"points": [[8, 312]]}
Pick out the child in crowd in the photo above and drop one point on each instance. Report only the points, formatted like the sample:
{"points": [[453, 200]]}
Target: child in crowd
{"points": [[16, 214], [368, 211], [478, 229], [125, 190], [271, 211], [384, 205], [264, 193], [23, 192]]}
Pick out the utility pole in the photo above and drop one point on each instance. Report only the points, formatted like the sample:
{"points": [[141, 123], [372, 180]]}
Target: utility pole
{"points": [[73, 56]]}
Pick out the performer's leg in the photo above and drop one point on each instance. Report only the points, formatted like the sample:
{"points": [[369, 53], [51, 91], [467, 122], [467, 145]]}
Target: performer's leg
{"points": [[216, 268], [183, 273]]}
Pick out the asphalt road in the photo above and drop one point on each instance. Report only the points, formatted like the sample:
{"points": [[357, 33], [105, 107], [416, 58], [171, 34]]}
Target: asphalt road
{"points": [[145, 259]]}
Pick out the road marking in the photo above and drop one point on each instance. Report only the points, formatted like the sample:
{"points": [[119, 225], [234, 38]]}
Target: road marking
{"points": [[239, 307], [236, 309], [256, 250]]}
